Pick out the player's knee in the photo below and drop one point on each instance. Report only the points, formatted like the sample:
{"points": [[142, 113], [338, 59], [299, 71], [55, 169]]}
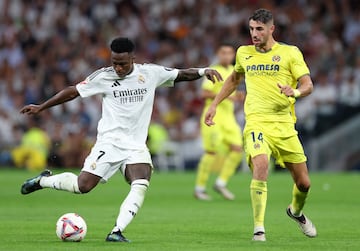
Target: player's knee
{"points": [[303, 185], [137, 171], [260, 167], [85, 186]]}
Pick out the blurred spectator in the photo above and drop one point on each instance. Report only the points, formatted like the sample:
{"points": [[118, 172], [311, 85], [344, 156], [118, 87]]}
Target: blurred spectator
{"points": [[324, 98], [46, 45], [349, 100]]}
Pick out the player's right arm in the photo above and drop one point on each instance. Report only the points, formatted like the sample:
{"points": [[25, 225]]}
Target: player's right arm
{"points": [[228, 88], [63, 96]]}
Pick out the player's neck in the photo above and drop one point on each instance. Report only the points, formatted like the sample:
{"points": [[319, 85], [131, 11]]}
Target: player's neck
{"points": [[268, 46], [225, 65]]}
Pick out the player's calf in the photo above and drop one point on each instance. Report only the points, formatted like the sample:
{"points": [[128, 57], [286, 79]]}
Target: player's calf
{"points": [[131, 205]]}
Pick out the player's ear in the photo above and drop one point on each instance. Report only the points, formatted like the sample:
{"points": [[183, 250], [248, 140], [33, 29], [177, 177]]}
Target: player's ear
{"points": [[272, 28], [132, 57]]}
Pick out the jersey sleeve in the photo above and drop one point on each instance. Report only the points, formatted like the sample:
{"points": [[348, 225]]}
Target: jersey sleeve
{"points": [[298, 65], [91, 85], [164, 76], [238, 67]]}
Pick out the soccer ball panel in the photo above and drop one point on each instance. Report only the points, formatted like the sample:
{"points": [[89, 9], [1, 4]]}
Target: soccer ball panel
{"points": [[71, 227]]}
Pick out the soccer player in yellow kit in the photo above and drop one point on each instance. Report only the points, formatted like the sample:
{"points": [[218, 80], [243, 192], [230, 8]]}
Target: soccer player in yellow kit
{"points": [[275, 76], [222, 143]]}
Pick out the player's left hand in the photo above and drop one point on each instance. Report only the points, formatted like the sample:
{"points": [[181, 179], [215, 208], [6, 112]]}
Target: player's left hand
{"points": [[213, 75], [287, 90]]}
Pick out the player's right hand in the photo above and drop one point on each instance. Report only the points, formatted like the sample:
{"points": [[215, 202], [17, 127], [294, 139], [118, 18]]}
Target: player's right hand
{"points": [[30, 109], [209, 116]]}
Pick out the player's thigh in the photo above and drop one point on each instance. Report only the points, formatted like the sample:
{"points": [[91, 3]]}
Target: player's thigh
{"points": [[104, 161], [212, 139], [138, 165]]}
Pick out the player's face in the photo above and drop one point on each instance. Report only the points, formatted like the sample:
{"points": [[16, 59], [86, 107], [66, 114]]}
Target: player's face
{"points": [[226, 55], [122, 63], [260, 32]]}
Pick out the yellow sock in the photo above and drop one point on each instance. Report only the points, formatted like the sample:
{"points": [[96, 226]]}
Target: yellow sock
{"points": [[232, 161], [298, 201], [203, 172], [258, 193]]}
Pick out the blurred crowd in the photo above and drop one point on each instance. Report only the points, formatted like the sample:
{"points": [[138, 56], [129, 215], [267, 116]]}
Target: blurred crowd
{"points": [[46, 45]]}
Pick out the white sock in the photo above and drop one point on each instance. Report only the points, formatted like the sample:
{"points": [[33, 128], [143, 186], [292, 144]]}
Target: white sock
{"points": [[131, 204], [63, 181], [200, 189], [219, 182]]}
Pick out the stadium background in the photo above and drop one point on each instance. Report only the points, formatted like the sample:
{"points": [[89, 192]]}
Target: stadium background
{"points": [[47, 45]]}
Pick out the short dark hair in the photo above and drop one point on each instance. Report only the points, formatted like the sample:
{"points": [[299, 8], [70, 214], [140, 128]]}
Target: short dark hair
{"points": [[262, 15], [122, 44]]}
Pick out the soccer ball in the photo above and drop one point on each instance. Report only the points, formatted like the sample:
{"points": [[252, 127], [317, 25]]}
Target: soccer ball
{"points": [[71, 227]]}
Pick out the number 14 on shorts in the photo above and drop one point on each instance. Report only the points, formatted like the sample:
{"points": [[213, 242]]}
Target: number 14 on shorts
{"points": [[258, 136], [258, 140]]}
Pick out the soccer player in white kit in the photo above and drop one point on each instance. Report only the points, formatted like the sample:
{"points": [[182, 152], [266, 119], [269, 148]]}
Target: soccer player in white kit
{"points": [[127, 91]]}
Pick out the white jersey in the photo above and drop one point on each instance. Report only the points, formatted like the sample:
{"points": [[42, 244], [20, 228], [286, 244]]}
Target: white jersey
{"points": [[127, 102]]}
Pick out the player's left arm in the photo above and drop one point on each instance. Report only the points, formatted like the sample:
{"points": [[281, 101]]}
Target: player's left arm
{"points": [[194, 73], [305, 87]]}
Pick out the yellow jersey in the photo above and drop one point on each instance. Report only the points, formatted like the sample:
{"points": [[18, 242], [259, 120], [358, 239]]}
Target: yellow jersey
{"points": [[226, 107], [283, 64]]}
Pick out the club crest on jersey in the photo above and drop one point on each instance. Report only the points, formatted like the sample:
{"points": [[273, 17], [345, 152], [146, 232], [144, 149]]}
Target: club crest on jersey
{"points": [[93, 166], [141, 79], [257, 146], [276, 58]]}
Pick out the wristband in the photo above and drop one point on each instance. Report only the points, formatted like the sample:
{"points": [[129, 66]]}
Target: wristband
{"points": [[297, 93], [201, 71]]}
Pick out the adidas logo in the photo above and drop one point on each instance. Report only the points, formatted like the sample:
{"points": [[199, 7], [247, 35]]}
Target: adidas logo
{"points": [[116, 83], [132, 213]]}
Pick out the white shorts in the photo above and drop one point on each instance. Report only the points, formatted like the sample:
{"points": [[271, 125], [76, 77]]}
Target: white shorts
{"points": [[105, 159]]}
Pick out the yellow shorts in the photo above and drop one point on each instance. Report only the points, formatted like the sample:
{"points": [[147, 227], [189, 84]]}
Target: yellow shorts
{"points": [[30, 158], [276, 139], [219, 137]]}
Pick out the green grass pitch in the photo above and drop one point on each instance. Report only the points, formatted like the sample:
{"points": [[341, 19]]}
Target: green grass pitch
{"points": [[171, 219]]}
